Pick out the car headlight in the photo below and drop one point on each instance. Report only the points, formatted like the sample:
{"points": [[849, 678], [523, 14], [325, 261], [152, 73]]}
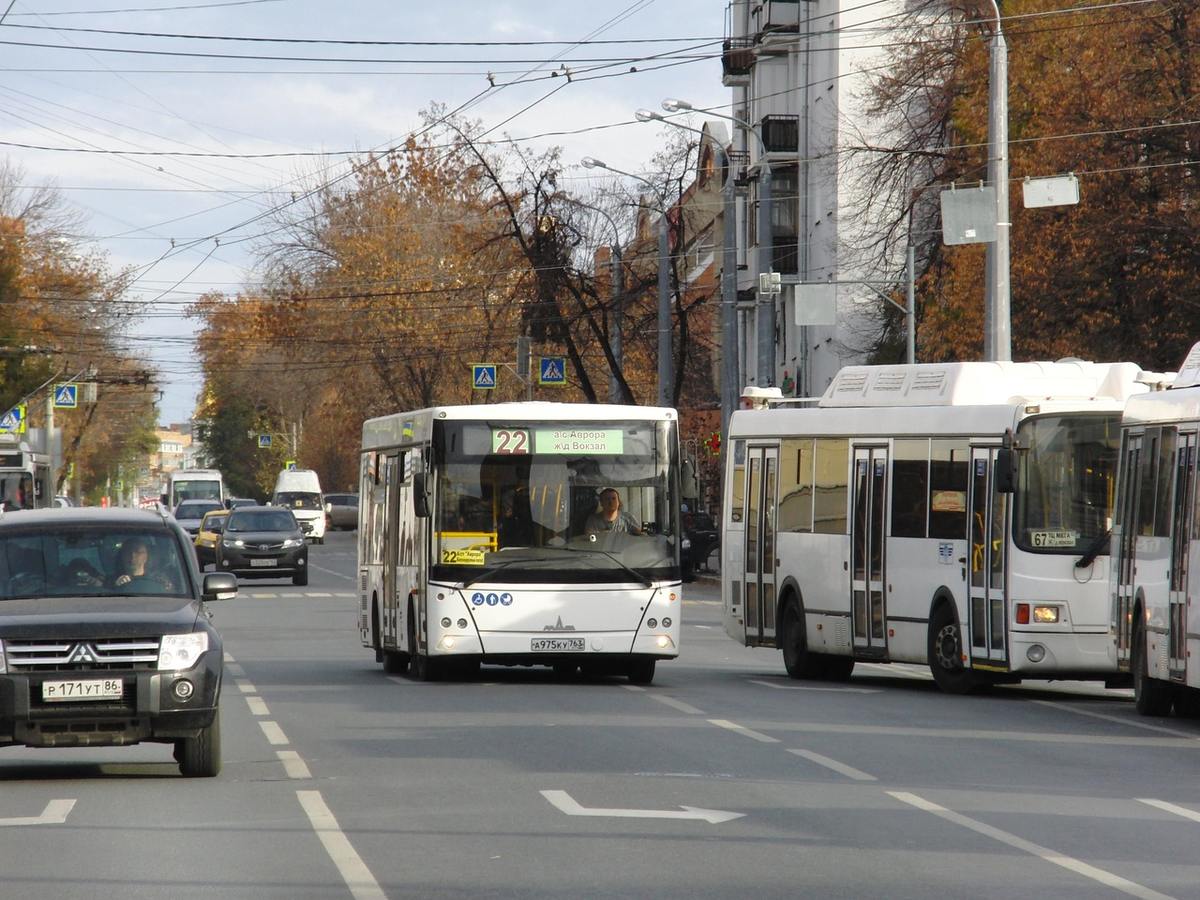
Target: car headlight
{"points": [[293, 542], [231, 542], [181, 651]]}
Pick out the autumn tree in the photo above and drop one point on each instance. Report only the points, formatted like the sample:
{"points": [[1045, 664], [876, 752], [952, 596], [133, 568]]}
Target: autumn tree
{"points": [[1104, 92]]}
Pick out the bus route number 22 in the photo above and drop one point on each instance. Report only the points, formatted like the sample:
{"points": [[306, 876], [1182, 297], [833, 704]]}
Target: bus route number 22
{"points": [[512, 441]]}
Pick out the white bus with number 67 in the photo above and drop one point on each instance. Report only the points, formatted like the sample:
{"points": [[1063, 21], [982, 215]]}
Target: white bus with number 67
{"points": [[479, 539]]}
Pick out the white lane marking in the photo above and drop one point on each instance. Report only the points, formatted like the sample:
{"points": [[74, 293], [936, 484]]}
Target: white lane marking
{"points": [[1136, 723], [235, 669], [55, 813], [848, 771], [678, 704], [809, 687], [1051, 856], [245, 686], [258, 706], [563, 801], [349, 864], [1171, 808], [274, 733], [740, 729], [293, 764]]}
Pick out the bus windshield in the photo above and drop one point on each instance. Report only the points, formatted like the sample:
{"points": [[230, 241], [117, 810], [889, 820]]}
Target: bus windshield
{"points": [[534, 502], [1065, 482]]}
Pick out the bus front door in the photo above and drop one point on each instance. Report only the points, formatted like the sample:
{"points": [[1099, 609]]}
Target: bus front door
{"points": [[988, 564], [758, 577], [1125, 546], [867, 599]]}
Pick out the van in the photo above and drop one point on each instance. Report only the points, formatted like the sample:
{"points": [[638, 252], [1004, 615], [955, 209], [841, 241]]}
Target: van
{"points": [[300, 491]]}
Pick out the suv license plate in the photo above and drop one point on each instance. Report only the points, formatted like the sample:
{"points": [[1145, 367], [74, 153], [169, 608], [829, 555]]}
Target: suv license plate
{"points": [[98, 689], [556, 645], [264, 562]]}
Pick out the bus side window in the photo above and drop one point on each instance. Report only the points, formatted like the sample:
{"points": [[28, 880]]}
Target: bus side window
{"points": [[910, 487], [796, 486], [949, 479], [737, 487]]}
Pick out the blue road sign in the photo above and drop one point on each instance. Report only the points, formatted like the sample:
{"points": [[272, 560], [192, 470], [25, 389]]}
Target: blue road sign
{"points": [[483, 377], [13, 421], [553, 370], [264, 440], [66, 396]]}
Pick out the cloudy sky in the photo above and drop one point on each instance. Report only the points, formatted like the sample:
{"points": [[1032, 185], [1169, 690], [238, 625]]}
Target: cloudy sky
{"points": [[174, 125]]}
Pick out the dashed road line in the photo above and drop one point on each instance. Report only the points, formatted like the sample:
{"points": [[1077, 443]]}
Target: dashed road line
{"points": [[1171, 808], [353, 870], [848, 771], [274, 733], [740, 729]]}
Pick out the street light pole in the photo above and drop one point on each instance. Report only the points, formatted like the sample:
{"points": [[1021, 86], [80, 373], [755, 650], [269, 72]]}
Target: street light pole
{"points": [[766, 320], [664, 282], [998, 300], [730, 389]]}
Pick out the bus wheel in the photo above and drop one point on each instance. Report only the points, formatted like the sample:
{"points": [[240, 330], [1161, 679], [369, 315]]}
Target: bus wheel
{"points": [[641, 671], [395, 663], [1187, 702], [793, 641], [945, 653], [1151, 696], [837, 668]]}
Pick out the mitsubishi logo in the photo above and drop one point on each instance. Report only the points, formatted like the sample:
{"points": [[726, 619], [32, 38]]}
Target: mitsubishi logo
{"points": [[83, 653]]}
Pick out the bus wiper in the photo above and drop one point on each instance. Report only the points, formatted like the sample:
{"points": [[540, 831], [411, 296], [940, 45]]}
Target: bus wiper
{"points": [[490, 571], [637, 576], [1098, 546]]}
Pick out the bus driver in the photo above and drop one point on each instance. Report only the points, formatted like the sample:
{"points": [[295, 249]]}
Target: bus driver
{"points": [[611, 517]]}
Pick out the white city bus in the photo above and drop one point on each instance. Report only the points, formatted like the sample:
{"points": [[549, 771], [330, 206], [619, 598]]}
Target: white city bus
{"points": [[1156, 547], [192, 484], [954, 515], [475, 546], [25, 478]]}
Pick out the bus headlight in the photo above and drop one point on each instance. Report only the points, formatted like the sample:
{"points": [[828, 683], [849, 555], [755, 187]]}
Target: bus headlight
{"points": [[447, 643], [663, 641], [1045, 615]]}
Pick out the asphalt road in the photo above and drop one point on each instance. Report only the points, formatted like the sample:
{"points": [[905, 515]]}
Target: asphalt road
{"points": [[722, 779]]}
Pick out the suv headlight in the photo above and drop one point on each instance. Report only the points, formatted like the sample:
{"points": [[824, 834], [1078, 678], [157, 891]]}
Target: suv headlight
{"points": [[231, 542], [181, 651], [293, 542]]}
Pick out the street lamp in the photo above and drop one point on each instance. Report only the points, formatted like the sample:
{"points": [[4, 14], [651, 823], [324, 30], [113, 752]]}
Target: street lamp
{"points": [[997, 342], [730, 389], [766, 241], [664, 285]]}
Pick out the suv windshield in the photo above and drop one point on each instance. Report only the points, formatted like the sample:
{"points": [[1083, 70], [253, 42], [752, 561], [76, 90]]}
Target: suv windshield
{"points": [[90, 562], [260, 519]]}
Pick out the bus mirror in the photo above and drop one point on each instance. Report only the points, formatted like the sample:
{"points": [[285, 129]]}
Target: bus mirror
{"points": [[688, 485], [420, 496], [1006, 471]]}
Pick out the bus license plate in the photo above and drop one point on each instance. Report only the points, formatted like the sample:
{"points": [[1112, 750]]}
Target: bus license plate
{"points": [[264, 562], [557, 645], [95, 689]]}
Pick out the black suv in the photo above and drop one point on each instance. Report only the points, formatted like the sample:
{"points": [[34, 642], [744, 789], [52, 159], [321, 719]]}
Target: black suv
{"points": [[263, 542], [105, 637]]}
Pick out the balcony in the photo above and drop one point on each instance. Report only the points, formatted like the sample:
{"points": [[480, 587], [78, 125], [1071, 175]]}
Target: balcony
{"points": [[773, 16], [737, 59]]}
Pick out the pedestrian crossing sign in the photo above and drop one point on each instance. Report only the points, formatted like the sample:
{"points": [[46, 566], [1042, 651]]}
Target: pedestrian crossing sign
{"points": [[553, 370], [483, 377], [13, 421], [66, 396]]}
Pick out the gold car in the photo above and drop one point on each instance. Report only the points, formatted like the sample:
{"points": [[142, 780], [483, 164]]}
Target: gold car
{"points": [[206, 538]]}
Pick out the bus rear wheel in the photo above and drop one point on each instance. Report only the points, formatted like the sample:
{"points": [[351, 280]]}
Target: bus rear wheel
{"points": [[945, 653], [793, 641], [1151, 697]]}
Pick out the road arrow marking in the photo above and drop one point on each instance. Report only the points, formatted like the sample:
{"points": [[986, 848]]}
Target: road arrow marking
{"points": [[565, 803], [55, 813]]}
